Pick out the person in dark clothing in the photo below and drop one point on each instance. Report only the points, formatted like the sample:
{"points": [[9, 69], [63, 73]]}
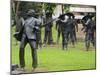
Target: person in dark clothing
{"points": [[63, 21], [74, 30], [89, 29], [48, 29], [68, 29]]}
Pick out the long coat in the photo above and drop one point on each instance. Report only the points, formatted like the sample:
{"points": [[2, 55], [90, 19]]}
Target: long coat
{"points": [[29, 27]]}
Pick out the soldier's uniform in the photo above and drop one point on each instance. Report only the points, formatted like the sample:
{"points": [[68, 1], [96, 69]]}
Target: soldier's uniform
{"points": [[89, 28], [74, 27], [89, 36], [68, 31], [64, 32], [48, 29]]}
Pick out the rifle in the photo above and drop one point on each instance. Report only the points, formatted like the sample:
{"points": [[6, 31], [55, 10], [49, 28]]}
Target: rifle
{"points": [[55, 19]]}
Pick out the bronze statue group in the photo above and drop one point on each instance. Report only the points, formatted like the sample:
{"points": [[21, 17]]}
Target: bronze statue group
{"points": [[28, 30]]}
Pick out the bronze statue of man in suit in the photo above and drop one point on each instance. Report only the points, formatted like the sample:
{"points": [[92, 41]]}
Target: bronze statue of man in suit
{"points": [[28, 35]]}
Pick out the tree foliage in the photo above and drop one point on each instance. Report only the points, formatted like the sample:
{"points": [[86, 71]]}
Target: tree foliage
{"points": [[18, 7], [49, 6]]}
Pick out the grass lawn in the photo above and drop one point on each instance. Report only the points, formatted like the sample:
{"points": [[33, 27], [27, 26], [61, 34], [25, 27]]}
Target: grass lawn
{"points": [[56, 59]]}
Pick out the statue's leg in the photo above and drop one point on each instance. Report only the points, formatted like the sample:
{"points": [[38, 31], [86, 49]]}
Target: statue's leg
{"points": [[21, 51], [34, 53]]}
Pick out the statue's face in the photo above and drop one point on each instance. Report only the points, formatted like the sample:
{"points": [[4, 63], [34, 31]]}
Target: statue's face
{"points": [[63, 18]]}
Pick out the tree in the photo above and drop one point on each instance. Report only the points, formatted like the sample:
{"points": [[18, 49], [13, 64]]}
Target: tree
{"points": [[15, 8], [49, 7], [66, 7]]}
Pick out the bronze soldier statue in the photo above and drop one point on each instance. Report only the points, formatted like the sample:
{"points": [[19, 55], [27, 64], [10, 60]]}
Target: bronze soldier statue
{"points": [[89, 28], [27, 34], [48, 39]]}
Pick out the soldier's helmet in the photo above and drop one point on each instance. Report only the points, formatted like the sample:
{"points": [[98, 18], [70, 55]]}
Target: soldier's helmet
{"points": [[62, 16], [71, 15], [31, 12]]}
